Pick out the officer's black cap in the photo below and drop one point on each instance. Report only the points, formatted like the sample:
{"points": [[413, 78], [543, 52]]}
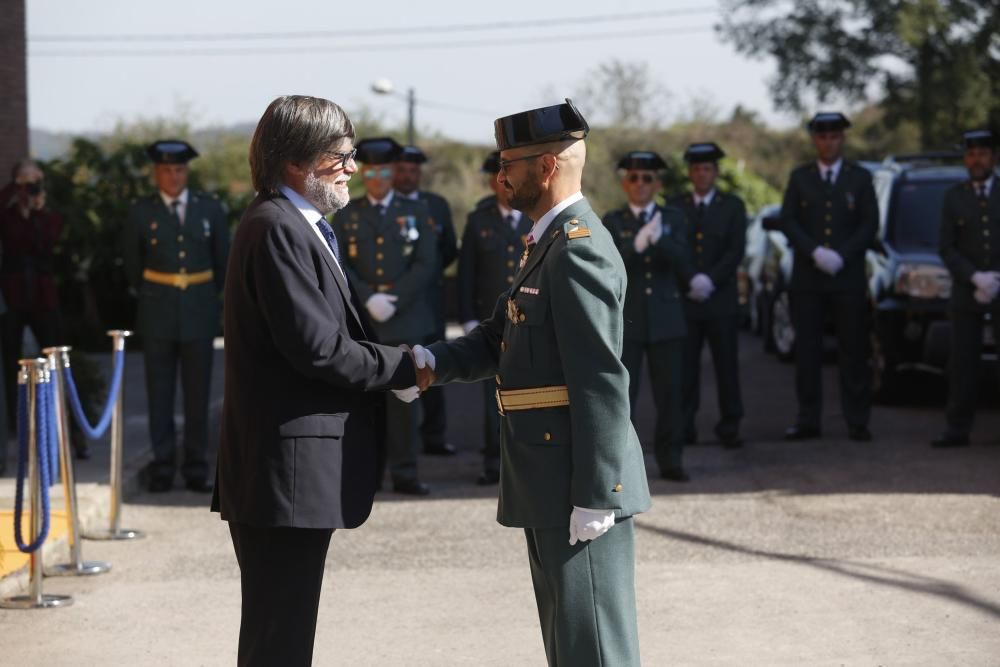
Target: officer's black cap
{"points": [[647, 160], [828, 121], [378, 150], [171, 151], [538, 126], [411, 154], [706, 151], [978, 139], [491, 165]]}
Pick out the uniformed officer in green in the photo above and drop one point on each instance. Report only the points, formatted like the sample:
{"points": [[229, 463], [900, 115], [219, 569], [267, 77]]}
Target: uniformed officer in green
{"points": [[406, 183], [389, 253], [716, 234], [495, 235], [970, 248], [572, 472], [651, 239], [830, 217], [175, 247]]}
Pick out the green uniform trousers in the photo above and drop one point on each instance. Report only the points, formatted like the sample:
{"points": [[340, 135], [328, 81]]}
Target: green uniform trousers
{"points": [[586, 596]]}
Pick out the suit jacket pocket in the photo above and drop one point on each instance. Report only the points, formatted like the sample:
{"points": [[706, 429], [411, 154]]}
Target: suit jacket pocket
{"points": [[317, 425], [544, 426]]}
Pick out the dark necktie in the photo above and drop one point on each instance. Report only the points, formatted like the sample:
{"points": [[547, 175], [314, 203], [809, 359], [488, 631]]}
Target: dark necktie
{"points": [[331, 239], [701, 208], [381, 209], [642, 217], [829, 176], [509, 220], [175, 210], [982, 193]]}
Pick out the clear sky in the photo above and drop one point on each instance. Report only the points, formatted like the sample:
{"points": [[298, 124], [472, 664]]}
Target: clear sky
{"points": [[195, 55]]}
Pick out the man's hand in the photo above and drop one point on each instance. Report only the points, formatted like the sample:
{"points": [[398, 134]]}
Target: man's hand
{"points": [[585, 524], [701, 287], [828, 261], [987, 283], [648, 234], [468, 327], [425, 363], [380, 306]]}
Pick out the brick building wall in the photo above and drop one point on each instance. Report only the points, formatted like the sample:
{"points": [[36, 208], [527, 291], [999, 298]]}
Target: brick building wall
{"points": [[13, 86]]}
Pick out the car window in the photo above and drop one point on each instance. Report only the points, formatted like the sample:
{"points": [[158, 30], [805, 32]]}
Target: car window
{"points": [[915, 214]]}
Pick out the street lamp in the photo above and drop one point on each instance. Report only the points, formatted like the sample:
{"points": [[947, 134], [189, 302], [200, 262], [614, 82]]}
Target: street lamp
{"points": [[385, 87]]}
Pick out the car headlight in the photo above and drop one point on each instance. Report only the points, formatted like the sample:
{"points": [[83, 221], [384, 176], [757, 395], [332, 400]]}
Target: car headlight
{"points": [[923, 281]]}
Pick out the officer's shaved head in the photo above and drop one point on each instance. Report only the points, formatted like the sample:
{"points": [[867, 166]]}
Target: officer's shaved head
{"points": [[538, 176]]}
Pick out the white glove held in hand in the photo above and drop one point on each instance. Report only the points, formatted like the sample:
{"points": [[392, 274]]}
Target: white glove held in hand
{"points": [[585, 524], [407, 395], [648, 234], [423, 357], [380, 306], [828, 261], [987, 282], [701, 287]]}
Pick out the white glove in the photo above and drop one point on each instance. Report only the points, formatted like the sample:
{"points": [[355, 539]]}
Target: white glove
{"points": [[656, 225], [983, 297], [828, 261], [380, 306], [585, 524], [467, 327], [648, 234], [701, 287], [422, 357], [407, 395], [987, 282]]}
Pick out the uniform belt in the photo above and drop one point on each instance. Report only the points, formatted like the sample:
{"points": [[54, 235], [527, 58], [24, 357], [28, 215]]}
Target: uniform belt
{"points": [[381, 287], [178, 280], [510, 400]]}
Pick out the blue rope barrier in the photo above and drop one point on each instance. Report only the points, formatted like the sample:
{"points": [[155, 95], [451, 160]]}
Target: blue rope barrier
{"points": [[54, 457], [41, 416], [95, 432]]}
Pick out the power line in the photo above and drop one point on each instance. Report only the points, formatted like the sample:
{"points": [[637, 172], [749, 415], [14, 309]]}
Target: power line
{"points": [[402, 30], [383, 46]]}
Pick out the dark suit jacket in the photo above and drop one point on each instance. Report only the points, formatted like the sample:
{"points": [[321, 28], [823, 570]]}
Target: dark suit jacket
{"points": [[298, 431], [969, 241], [842, 217]]}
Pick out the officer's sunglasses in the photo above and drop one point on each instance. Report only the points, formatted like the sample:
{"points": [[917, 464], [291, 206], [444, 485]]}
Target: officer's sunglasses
{"points": [[645, 178], [506, 163], [377, 173], [343, 157]]}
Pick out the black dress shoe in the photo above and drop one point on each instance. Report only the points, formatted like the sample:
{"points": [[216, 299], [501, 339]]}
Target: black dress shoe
{"points": [[799, 432], [675, 475], [488, 478], [731, 441], [946, 441], [691, 438], [411, 487], [859, 434], [198, 485], [444, 449]]}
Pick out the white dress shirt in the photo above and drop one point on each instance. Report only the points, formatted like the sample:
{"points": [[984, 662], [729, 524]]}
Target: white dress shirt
{"points": [[182, 200], [515, 215], [384, 202], [543, 223], [707, 199], [648, 208], [835, 168], [312, 216]]}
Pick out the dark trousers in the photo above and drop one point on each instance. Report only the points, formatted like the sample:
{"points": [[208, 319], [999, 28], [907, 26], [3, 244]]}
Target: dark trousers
{"points": [[46, 326], [586, 596], [721, 334], [435, 421], [281, 577], [666, 373], [194, 358], [401, 436], [491, 427], [964, 366], [849, 311]]}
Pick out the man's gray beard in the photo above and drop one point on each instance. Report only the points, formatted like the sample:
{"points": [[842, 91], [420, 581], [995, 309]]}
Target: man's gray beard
{"points": [[324, 195]]}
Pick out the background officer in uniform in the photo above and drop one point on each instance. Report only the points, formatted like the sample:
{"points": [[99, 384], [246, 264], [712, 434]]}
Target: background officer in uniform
{"points": [[176, 246], [830, 217], [406, 183], [651, 240], [716, 234], [389, 252], [495, 235], [571, 462], [970, 248]]}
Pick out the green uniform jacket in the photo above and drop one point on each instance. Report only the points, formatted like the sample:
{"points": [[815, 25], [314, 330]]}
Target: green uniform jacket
{"points": [[970, 240], [447, 250], [379, 254], [654, 308], [571, 294], [843, 217], [717, 243], [155, 239]]}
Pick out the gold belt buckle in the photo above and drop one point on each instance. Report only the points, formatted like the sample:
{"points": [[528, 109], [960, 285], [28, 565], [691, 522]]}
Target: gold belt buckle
{"points": [[181, 281]]}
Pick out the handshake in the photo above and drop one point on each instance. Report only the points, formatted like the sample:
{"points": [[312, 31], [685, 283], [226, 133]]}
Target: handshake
{"points": [[425, 363], [987, 284]]}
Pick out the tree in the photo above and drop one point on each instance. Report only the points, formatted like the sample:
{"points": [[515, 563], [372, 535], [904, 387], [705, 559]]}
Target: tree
{"points": [[933, 62]]}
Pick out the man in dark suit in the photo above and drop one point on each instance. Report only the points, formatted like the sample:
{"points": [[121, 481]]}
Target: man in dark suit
{"points": [[970, 225], [406, 182], [717, 224], [651, 240], [830, 217], [297, 454], [495, 235]]}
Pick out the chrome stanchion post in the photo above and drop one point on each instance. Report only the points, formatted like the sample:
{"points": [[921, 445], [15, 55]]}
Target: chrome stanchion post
{"points": [[115, 531], [58, 361], [33, 373]]}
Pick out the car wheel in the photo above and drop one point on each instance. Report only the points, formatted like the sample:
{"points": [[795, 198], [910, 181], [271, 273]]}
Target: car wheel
{"points": [[782, 331]]}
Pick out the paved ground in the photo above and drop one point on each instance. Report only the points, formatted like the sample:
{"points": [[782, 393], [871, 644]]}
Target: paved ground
{"points": [[823, 553]]}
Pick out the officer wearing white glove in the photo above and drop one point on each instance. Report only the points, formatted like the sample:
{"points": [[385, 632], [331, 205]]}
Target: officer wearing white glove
{"points": [[701, 287], [585, 524], [381, 306], [648, 234], [422, 358], [987, 283], [828, 261]]}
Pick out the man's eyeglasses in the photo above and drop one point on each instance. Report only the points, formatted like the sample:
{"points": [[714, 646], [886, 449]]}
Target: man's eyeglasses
{"points": [[343, 157], [645, 178], [506, 163], [385, 172]]}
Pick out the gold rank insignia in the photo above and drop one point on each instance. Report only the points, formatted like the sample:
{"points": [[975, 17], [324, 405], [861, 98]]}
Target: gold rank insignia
{"points": [[578, 233]]}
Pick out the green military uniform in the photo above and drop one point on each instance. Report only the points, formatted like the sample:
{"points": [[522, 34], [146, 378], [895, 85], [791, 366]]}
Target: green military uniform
{"points": [[716, 237], [487, 264], [392, 253], [177, 265], [969, 243], [654, 320]]}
